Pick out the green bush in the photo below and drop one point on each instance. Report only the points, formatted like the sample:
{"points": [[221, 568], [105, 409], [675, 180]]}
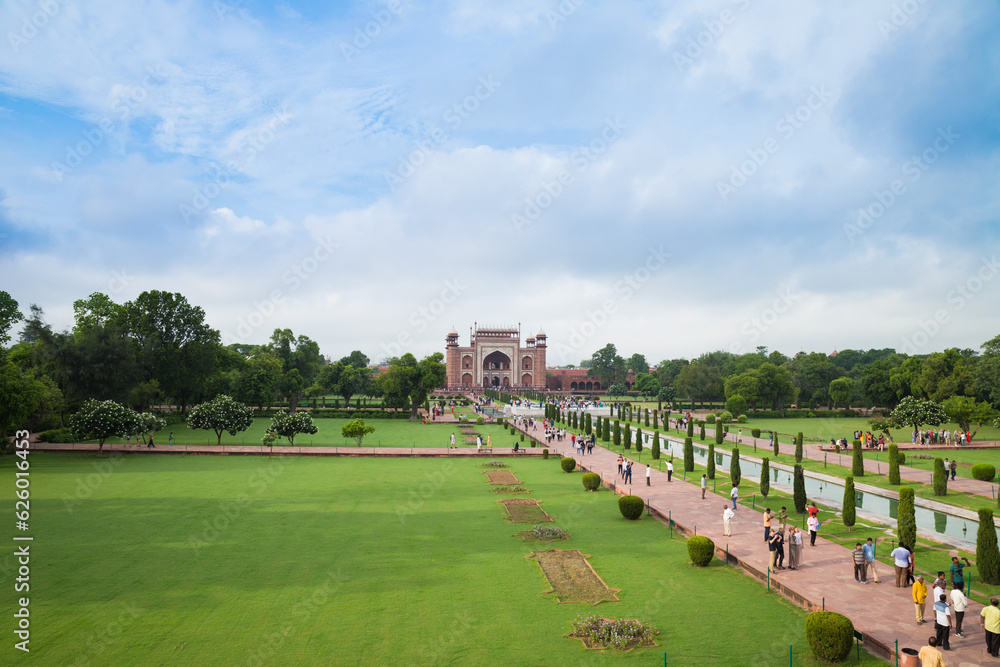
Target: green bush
{"points": [[638, 440], [734, 467], [591, 481], [479, 420], [631, 507], [701, 550], [57, 435], [940, 478], [902, 458], [617, 437], [984, 472], [736, 404], [702, 432], [830, 635], [522, 437], [987, 554], [755, 432], [799, 489], [545, 453], [720, 436], [798, 448], [688, 455], [857, 461], [906, 518], [568, 464], [726, 417], [656, 444], [742, 419], [710, 418]]}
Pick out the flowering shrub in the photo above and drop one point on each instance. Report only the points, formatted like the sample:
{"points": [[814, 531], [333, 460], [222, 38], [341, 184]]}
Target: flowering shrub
{"points": [[99, 420], [510, 488], [620, 633], [220, 414], [287, 426], [548, 533], [494, 463]]}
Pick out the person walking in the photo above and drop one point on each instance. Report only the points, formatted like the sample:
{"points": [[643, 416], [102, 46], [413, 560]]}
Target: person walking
{"points": [[954, 469], [170, 439], [920, 597], [957, 574], [958, 602], [930, 656], [901, 561], [649, 472], [793, 552], [734, 494], [670, 470], [942, 622], [858, 558], [150, 444], [628, 472], [704, 485], [621, 470], [727, 517], [869, 549], [453, 439], [767, 524], [813, 524], [782, 518], [989, 620]]}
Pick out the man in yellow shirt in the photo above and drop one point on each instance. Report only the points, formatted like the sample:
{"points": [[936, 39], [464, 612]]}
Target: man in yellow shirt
{"points": [[930, 656], [920, 597], [990, 622]]}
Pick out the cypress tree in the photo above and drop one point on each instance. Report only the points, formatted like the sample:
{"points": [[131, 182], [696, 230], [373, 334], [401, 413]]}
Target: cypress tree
{"points": [[848, 512], [987, 554], [688, 455], [701, 434], [711, 460], [575, 424], [777, 450], [617, 437], [656, 444], [765, 476], [798, 448], [734, 467], [857, 462], [894, 465], [690, 427], [906, 518], [606, 434], [720, 435], [628, 436], [587, 424], [940, 478], [638, 440], [656, 419], [647, 416], [799, 490]]}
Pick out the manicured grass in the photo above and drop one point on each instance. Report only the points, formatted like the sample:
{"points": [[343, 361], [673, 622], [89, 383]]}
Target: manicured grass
{"points": [[388, 433], [356, 561]]}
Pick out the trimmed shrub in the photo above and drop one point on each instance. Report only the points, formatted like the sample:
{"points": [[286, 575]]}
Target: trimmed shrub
{"points": [[848, 514], [591, 481], [940, 478], [656, 444], [711, 461], [765, 476], [617, 437], [701, 550], [987, 554], [755, 432], [906, 518], [798, 448], [726, 416], [628, 436], [719, 434], [638, 440], [902, 458], [742, 419], [522, 437], [799, 490], [776, 448], [830, 635], [857, 461], [479, 421], [736, 404], [894, 465], [631, 507], [647, 416], [57, 435], [688, 455], [710, 418], [545, 453], [690, 426], [701, 433], [984, 472], [734, 467], [568, 464]]}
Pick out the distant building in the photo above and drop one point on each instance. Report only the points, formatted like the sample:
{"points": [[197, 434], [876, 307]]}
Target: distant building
{"points": [[495, 358]]}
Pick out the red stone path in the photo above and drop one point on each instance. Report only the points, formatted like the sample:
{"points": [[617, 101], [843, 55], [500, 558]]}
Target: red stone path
{"points": [[882, 612]]}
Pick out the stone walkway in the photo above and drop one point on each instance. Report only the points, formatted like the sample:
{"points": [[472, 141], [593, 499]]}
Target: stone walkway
{"points": [[882, 612]]}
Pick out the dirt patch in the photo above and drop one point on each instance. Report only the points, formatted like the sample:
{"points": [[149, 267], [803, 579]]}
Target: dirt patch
{"points": [[502, 477], [525, 510], [572, 578], [510, 489]]}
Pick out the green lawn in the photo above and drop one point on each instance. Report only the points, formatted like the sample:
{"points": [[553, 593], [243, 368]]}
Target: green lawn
{"points": [[388, 433], [218, 560]]}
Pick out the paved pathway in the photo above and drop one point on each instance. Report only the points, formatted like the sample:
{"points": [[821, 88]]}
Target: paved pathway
{"points": [[881, 611]]}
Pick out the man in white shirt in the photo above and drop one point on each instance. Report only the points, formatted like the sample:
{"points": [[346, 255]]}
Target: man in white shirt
{"points": [[901, 561], [942, 622], [727, 516], [959, 602], [704, 485], [670, 470], [734, 494], [649, 472]]}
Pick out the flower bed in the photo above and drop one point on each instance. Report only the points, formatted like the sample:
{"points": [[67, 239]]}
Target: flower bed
{"points": [[623, 634]]}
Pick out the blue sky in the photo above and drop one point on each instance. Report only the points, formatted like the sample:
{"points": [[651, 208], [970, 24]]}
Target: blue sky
{"points": [[673, 177]]}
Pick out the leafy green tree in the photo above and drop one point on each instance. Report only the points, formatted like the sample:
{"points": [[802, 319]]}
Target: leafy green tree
{"points": [[987, 371], [357, 429], [893, 464], [746, 386], [221, 414], [665, 395], [848, 512], [617, 389], [734, 467], [987, 553], [688, 455], [940, 478], [607, 366], [690, 427], [915, 412], [774, 385], [257, 382], [606, 435], [700, 382], [799, 489], [637, 364], [647, 417], [407, 380], [646, 384], [906, 518], [841, 391], [587, 425], [286, 425], [356, 359], [656, 444], [765, 476], [97, 310], [99, 362], [710, 472], [966, 411], [857, 460], [24, 399], [100, 420], [701, 431], [720, 434], [10, 314], [880, 424], [736, 404], [777, 447]]}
